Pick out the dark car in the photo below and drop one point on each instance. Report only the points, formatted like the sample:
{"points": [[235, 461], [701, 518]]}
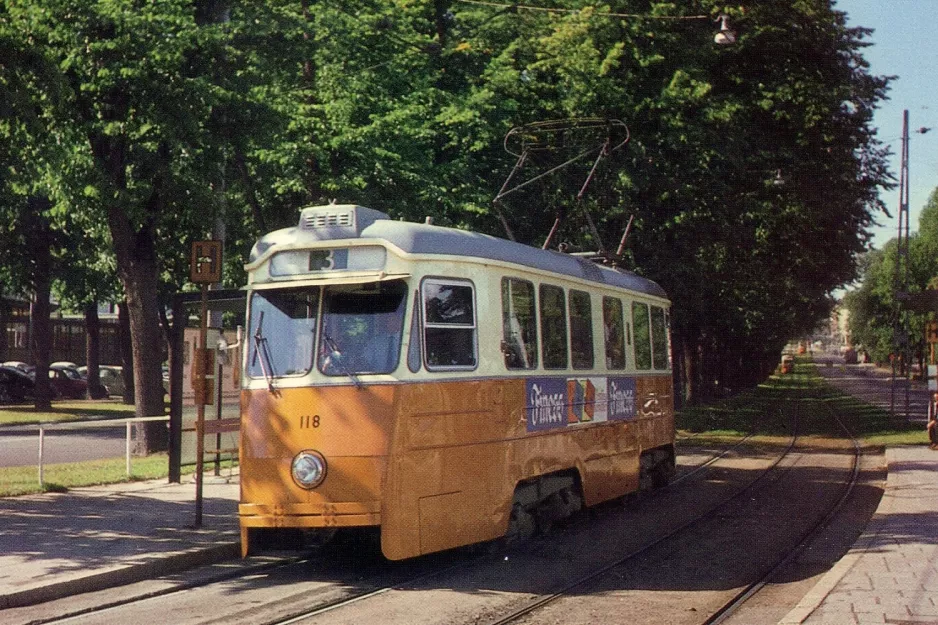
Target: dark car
{"points": [[66, 382], [111, 378], [15, 386]]}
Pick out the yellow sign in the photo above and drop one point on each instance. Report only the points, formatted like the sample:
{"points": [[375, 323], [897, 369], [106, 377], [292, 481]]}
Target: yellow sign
{"points": [[205, 262]]}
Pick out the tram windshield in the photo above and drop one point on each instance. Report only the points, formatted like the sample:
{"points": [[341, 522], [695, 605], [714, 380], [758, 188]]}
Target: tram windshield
{"points": [[359, 332], [282, 332], [361, 328]]}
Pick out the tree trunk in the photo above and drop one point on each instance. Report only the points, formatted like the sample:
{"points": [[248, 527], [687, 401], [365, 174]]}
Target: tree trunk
{"points": [[689, 354], [4, 320], [40, 338], [92, 350], [127, 352], [41, 344], [134, 248], [137, 270]]}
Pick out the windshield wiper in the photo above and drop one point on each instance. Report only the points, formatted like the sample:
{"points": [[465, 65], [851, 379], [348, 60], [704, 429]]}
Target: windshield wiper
{"points": [[262, 351], [335, 356]]}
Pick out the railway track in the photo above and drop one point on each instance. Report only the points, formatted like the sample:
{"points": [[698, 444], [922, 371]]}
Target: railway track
{"points": [[729, 607], [810, 534], [373, 578], [542, 602], [341, 594]]}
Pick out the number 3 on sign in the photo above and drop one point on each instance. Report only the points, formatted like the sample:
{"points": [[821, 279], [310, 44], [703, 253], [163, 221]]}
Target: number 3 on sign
{"points": [[321, 260], [308, 421]]}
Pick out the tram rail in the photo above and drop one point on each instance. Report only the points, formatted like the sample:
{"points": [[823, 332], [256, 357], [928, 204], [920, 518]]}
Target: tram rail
{"points": [[544, 600], [383, 581], [811, 533], [328, 600]]}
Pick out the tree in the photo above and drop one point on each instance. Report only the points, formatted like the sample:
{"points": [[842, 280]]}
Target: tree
{"points": [[183, 113], [143, 153], [29, 154], [85, 278], [873, 306], [748, 263]]}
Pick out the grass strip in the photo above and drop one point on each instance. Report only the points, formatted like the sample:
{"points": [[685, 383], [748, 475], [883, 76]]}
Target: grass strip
{"points": [[60, 477], [767, 407], [25, 414]]}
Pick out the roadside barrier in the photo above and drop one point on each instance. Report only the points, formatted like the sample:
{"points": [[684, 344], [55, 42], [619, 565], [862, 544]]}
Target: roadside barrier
{"points": [[81, 425]]}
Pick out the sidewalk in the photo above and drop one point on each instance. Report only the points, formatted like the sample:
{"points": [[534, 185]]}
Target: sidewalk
{"points": [[890, 575], [59, 544]]}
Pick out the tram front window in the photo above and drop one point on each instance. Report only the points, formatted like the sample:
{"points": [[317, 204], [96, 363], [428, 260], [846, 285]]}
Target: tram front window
{"points": [[282, 331], [361, 328]]}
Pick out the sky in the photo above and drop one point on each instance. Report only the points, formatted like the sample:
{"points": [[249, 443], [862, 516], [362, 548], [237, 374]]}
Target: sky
{"points": [[905, 45]]}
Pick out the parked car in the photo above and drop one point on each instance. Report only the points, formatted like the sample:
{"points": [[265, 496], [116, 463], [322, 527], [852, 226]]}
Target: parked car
{"points": [[66, 382], [15, 386], [112, 377], [18, 364]]}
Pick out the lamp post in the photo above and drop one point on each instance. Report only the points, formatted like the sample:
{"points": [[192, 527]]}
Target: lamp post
{"points": [[726, 36]]}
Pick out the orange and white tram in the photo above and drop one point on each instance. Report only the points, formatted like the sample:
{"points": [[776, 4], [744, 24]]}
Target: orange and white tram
{"points": [[442, 384]]}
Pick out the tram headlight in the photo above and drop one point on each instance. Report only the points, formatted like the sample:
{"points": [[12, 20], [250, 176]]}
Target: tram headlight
{"points": [[308, 469]]}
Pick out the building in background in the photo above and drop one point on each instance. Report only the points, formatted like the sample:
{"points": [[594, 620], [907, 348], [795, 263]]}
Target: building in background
{"points": [[68, 334]]}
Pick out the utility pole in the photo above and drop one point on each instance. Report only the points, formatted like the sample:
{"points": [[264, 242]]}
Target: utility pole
{"points": [[900, 333]]}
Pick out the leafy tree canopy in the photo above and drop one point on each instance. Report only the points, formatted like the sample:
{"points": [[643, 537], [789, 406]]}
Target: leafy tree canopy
{"points": [[184, 117]]}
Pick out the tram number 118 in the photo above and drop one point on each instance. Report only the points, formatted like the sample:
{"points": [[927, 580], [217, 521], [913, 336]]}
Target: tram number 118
{"points": [[308, 421]]}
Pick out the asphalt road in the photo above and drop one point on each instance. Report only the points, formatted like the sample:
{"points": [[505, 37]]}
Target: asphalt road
{"points": [[875, 386], [19, 446]]}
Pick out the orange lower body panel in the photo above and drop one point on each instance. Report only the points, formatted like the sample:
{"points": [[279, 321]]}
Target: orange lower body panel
{"points": [[436, 464]]}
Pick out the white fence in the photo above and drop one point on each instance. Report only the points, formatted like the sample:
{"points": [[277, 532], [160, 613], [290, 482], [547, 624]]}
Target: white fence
{"points": [[81, 425]]}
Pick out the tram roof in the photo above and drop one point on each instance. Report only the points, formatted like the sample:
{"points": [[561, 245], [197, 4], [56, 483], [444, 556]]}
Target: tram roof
{"points": [[416, 238]]}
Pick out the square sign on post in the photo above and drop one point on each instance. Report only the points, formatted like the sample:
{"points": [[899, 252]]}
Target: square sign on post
{"points": [[205, 263]]}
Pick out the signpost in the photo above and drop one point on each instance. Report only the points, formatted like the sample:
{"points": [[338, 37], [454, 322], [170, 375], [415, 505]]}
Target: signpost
{"points": [[204, 269]]}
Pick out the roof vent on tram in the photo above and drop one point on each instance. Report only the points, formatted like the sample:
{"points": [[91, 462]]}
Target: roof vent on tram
{"points": [[337, 221]]}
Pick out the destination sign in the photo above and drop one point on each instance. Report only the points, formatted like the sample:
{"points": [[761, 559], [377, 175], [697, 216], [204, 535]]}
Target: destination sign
{"points": [[305, 262]]}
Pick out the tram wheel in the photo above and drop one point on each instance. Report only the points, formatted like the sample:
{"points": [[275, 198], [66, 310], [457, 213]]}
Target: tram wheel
{"points": [[521, 525], [663, 471]]}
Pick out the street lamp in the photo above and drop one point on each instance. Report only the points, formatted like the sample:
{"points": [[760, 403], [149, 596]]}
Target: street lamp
{"points": [[726, 36]]}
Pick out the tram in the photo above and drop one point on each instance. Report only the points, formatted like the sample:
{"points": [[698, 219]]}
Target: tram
{"points": [[445, 386]]}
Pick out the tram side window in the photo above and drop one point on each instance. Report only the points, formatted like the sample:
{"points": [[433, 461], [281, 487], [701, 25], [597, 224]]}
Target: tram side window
{"points": [[449, 324], [641, 326], [519, 324], [614, 333], [659, 338], [553, 327], [581, 330]]}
